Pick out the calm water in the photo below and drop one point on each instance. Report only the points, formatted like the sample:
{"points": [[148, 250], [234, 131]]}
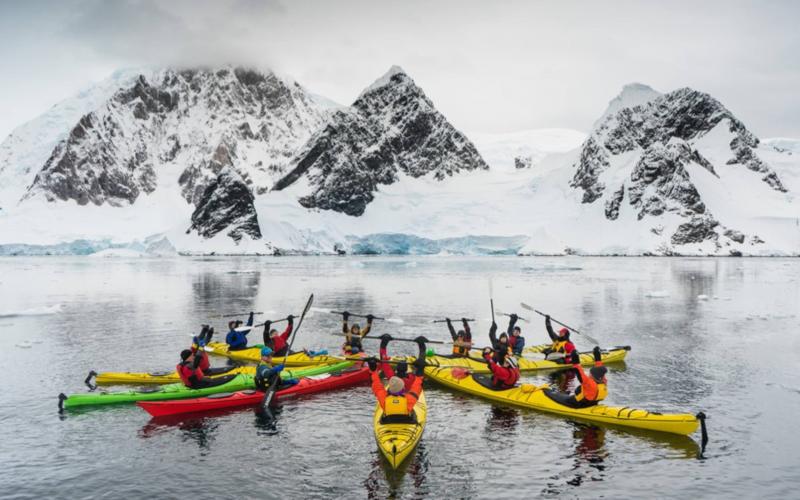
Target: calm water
{"points": [[734, 356]]}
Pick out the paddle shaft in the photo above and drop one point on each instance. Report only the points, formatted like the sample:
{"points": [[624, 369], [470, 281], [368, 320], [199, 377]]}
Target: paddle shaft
{"points": [[356, 315], [540, 313], [271, 389], [458, 319]]}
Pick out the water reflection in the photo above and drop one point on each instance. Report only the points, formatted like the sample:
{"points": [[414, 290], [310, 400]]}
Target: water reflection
{"points": [[199, 430], [411, 473]]}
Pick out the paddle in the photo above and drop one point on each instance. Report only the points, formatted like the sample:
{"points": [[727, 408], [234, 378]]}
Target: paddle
{"points": [[247, 328], [234, 315], [491, 298], [270, 393], [509, 315], [445, 321], [540, 313], [390, 320]]}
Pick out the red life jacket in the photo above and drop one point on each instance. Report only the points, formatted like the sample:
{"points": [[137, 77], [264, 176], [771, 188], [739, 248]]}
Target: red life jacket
{"points": [[205, 364], [503, 377], [188, 376]]}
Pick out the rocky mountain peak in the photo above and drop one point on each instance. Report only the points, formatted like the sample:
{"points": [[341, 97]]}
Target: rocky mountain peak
{"points": [[391, 129], [631, 95], [654, 146]]}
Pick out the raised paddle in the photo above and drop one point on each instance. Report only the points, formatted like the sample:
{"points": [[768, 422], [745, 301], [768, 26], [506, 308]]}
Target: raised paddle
{"points": [[234, 315], [491, 298], [445, 321], [540, 313], [509, 315], [270, 393], [247, 328]]}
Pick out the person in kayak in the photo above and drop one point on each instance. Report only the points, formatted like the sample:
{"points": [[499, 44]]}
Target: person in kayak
{"points": [[266, 372], [191, 374], [237, 340], [505, 371], [515, 338], [198, 344], [462, 339], [278, 342], [562, 348], [395, 400], [499, 345], [354, 334], [401, 369], [593, 388]]}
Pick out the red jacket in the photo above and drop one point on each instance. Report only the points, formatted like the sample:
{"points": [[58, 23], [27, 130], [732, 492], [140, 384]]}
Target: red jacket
{"points": [[205, 364], [186, 373], [280, 341], [503, 377], [388, 371]]}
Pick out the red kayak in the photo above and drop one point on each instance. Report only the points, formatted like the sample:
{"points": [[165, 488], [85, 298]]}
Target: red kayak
{"points": [[308, 385]]}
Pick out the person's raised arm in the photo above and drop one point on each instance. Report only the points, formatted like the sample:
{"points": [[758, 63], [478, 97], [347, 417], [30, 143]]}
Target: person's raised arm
{"points": [[345, 317], [493, 335], [386, 368], [366, 329], [289, 327], [550, 330], [450, 327], [250, 319], [512, 320], [467, 331]]}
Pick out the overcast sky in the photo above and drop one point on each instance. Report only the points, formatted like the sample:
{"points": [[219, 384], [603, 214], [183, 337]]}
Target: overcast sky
{"points": [[488, 66]]}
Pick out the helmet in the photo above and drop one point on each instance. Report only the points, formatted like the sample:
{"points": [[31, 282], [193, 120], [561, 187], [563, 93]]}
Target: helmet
{"points": [[564, 332], [185, 354], [395, 386], [512, 361], [266, 351]]}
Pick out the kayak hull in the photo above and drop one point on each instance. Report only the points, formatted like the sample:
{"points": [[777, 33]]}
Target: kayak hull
{"points": [[253, 355], [533, 397], [133, 378], [397, 441], [478, 365], [329, 382]]}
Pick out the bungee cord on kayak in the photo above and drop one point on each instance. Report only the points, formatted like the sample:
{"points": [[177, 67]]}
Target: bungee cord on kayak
{"points": [[260, 376]]}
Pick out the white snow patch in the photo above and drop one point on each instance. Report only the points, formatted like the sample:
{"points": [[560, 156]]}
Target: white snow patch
{"points": [[657, 294], [35, 311]]}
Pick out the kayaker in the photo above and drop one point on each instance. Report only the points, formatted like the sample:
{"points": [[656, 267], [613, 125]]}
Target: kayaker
{"points": [[593, 388], [354, 334], [515, 338], [191, 374], [266, 372], [198, 344], [462, 339], [278, 341], [562, 348], [401, 369], [394, 399], [237, 340], [505, 371], [499, 345]]}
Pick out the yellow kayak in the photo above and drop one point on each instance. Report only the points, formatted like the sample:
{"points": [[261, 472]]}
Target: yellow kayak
{"points": [[477, 365], [253, 355], [535, 397], [160, 378], [397, 440]]}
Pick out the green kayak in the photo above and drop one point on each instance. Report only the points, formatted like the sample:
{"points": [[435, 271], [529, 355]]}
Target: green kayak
{"points": [[174, 391]]}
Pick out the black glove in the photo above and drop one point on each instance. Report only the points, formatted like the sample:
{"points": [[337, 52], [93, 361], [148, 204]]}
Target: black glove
{"points": [[267, 326], [513, 317], [290, 318], [250, 318], [421, 341], [385, 338], [547, 317], [373, 364], [370, 318], [576, 358], [596, 352], [447, 320], [345, 315]]}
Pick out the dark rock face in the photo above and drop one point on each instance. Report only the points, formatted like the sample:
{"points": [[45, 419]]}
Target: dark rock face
{"points": [[198, 119], [226, 203], [392, 128], [697, 230], [521, 162], [613, 203], [735, 235], [681, 116], [659, 182]]}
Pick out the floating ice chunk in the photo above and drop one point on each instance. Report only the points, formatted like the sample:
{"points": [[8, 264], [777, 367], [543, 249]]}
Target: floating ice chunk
{"points": [[36, 311], [702, 297], [117, 253], [657, 294]]}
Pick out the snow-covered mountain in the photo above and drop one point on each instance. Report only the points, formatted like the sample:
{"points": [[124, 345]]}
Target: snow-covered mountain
{"points": [[232, 160], [674, 162], [391, 129]]}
